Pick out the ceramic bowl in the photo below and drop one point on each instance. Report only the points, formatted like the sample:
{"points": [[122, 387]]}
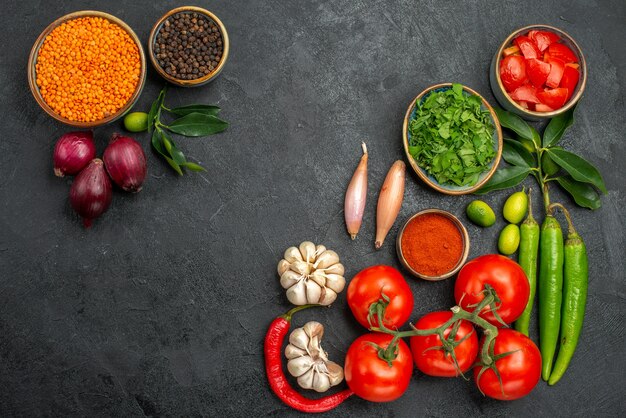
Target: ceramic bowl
{"points": [[423, 174], [198, 81], [462, 259], [32, 73], [509, 104]]}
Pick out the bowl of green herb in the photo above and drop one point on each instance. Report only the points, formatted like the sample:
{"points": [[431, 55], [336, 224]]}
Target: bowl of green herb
{"points": [[452, 138]]}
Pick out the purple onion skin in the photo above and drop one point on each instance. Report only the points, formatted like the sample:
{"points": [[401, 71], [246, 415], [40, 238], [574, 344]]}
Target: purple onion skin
{"points": [[90, 194], [72, 152], [125, 162]]}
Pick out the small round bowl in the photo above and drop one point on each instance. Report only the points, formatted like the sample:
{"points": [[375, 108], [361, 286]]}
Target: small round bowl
{"points": [[464, 254], [509, 104], [423, 174], [32, 71], [198, 81]]}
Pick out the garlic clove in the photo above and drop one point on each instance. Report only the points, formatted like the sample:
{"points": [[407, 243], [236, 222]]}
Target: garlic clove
{"points": [[300, 339], [289, 278], [321, 382], [307, 250], [296, 294], [314, 329], [335, 269], [300, 267], [291, 351], [326, 259], [306, 380], [319, 277], [335, 373], [292, 254], [313, 291], [335, 282], [328, 296], [319, 249], [300, 365], [283, 266]]}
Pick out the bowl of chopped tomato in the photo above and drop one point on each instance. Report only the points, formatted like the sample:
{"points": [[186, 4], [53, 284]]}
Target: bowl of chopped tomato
{"points": [[538, 72]]}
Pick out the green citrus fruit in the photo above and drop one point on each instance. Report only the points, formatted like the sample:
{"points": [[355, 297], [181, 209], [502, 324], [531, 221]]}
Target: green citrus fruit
{"points": [[515, 207], [136, 121], [509, 239], [480, 213]]}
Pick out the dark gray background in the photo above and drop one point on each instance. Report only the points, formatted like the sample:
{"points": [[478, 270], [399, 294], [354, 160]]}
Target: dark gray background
{"points": [[161, 308]]}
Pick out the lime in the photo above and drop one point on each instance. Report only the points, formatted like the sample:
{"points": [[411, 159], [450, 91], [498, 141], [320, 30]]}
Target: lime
{"points": [[515, 207], [136, 121], [480, 213], [509, 239]]}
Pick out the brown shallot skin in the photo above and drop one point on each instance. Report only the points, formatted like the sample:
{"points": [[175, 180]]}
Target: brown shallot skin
{"points": [[125, 162], [356, 195], [389, 201], [90, 194]]}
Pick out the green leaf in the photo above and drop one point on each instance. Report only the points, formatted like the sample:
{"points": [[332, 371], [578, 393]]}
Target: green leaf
{"points": [[193, 166], [557, 126], [584, 195], [197, 124], [579, 168], [514, 153], [515, 123], [155, 109], [504, 178], [174, 165], [158, 145], [173, 150], [196, 108]]}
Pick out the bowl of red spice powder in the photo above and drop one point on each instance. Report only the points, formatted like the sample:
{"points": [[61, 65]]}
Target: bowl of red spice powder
{"points": [[433, 244]]}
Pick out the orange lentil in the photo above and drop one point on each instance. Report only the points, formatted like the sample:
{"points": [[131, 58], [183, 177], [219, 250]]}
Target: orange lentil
{"points": [[87, 69]]}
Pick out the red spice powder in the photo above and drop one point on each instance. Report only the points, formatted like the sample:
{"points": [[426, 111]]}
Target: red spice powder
{"points": [[432, 244]]}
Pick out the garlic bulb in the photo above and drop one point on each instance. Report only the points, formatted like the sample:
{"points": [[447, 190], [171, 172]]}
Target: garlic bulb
{"points": [[309, 362], [311, 274]]}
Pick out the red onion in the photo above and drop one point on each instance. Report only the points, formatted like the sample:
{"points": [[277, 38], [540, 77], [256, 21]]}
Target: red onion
{"points": [[72, 152], [125, 162], [90, 194]]}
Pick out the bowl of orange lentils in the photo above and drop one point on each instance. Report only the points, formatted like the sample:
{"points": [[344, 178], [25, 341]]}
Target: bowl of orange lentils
{"points": [[87, 69]]}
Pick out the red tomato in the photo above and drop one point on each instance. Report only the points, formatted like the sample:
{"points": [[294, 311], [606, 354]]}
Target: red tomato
{"points": [[370, 377], [555, 98], [512, 50], [520, 371], [504, 275], [543, 39], [540, 107], [526, 93], [436, 362], [562, 52], [512, 72], [556, 72], [537, 71], [527, 46], [569, 79], [368, 286]]}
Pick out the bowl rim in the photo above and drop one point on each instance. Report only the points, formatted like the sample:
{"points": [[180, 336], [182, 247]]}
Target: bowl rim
{"points": [[34, 54], [581, 83], [197, 81], [464, 235], [418, 169]]}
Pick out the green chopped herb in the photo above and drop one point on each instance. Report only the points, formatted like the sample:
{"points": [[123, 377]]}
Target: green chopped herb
{"points": [[451, 137]]}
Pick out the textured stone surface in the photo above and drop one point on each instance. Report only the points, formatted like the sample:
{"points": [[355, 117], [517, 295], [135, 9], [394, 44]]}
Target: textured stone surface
{"points": [[160, 309]]}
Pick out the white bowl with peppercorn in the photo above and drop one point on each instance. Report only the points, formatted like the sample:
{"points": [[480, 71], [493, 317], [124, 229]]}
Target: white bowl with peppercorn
{"points": [[188, 46]]}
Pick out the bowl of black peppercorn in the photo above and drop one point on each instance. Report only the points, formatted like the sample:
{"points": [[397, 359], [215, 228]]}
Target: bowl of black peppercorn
{"points": [[188, 46]]}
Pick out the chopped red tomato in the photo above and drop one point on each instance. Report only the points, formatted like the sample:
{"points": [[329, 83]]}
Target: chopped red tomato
{"points": [[569, 79], [512, 50], [526, 93], [543, 39], [554, 98], [537, 71], [540, 107], [523, 104], [556, 72], [546, 56], [572, 64], [527, 46], [562, 52], [512, 72]]}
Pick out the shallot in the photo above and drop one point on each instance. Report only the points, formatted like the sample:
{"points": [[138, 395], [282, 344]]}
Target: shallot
{"points": [[389, 201], [90, 194], [72, 152], [356, 195], [125, 162]]}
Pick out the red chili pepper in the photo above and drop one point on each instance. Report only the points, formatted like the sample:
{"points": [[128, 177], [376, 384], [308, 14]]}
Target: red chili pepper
{"points": [[278, 381]]}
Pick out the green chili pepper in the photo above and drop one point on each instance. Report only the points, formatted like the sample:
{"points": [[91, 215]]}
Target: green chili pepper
{"points": [[528, 247], [575, 276], [550, 290]]}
